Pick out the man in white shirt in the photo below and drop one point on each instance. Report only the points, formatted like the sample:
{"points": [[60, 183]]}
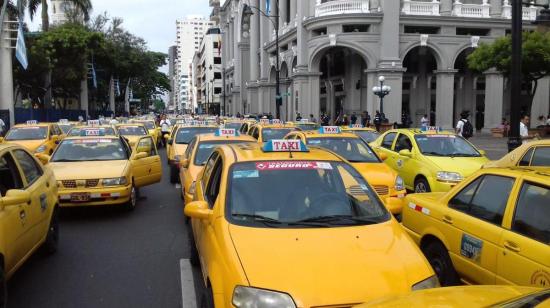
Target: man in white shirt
{"points": [[2, 127], [164, 128], [424, 122], [524, 129]]}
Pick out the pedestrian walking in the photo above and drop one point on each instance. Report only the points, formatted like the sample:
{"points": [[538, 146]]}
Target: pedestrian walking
{"points": [[524, 129], [464, 127], [424, 121], [353, 118], [164, 128], [377, 120], [312, 119]]}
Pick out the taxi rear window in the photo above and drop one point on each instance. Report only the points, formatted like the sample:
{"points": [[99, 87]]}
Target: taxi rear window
{"points": [[308, 194], [132, 131], [353, 150], [185, 134], [28, 133], [236, 126], [275, 133], [100, 149]]}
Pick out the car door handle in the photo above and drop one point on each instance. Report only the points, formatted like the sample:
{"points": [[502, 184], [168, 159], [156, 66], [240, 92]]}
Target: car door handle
{"points": [[447, 219], [22, 214], [511, 246]]}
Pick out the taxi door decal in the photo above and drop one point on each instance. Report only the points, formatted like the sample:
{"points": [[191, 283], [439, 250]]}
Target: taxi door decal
{"points": [[541, 278], [471, 247]]}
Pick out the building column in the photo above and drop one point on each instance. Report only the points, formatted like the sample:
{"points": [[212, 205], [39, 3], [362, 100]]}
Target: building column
{"points": [[446, 7], [495, 10], [389, 44], [494, 98], [444, 98], [540, 101], [282, 13], [293, 10], [302, 53], [6, 75]]}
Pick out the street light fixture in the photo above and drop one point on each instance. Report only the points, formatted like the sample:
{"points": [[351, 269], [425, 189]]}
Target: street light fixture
{"points": [[381, 91], [247, 12]]}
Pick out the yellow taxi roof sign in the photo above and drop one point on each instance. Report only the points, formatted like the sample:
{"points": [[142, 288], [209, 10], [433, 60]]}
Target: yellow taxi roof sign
{"points": [[227, 132], [329, 130], [281, 145]]}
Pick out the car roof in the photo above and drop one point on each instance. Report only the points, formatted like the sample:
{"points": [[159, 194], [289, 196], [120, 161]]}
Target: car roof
{"points": [[367, 129], [539, 174], [316, 134], [213, 137], [418, 131], [43, 124], [276, 126], [249, 152]]}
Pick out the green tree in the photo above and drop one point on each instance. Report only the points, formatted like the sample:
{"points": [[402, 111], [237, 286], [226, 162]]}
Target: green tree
{"points": [[159, 105], [535, 60]]}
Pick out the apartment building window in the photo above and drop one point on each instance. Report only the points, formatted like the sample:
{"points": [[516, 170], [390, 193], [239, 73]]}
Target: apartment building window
{"points": [[215, 44], [217, 75], [217, 60], [217, 90]]}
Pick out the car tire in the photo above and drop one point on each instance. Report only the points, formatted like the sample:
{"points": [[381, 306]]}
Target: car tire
{"points": [[207, 298], [194, 253], [52, 239], [3, 289], [174, 176], [421, 185], [439, 259], [131, 204]]}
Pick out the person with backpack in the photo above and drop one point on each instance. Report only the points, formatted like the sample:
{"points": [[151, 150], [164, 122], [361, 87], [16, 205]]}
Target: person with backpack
{"points": [[464, 127], [377, 120]]}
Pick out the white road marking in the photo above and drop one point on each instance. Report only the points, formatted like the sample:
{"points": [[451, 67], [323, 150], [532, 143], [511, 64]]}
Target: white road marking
{"points": [[177, 186], [188, 296]]}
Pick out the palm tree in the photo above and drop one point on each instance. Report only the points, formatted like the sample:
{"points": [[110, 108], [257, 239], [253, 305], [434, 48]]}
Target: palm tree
{"points": [[83, 6]]}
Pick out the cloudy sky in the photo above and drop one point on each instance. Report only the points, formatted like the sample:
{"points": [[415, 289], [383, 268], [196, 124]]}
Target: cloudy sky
{"points": [[153, 20]]}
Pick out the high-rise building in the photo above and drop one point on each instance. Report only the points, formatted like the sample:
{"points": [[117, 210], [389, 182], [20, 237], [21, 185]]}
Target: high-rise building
{"points": [[207, 73], [172, 57], [189, 34]]}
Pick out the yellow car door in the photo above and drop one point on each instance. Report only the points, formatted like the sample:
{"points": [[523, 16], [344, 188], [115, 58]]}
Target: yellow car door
{"points": [[525, 255], [146, 163], [386, 146], [406, 159], [472, 225], [14, 226]]}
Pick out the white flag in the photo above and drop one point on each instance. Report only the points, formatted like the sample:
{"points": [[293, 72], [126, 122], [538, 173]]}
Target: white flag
{"points": [[20, 48]]}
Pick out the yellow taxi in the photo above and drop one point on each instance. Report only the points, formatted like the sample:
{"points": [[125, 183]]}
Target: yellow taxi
{"points": [[366, 133], [66, 125], [132, 131], [304, 125], [385, 181], [178, 141], [36, 137], [99, 170], [108, 130], [470, 296], [270, 130], [152, 129], [246, 126], [493, 228], [530, 154], [28, 210], [284, 225], [197, 153], [429, 159]]}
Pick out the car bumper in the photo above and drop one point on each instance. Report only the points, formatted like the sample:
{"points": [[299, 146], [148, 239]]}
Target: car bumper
{"points": [[97, 196], [438, 186], [401, 194]]}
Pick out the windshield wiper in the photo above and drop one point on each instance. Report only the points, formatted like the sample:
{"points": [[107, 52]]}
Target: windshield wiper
{"points": [[334, 219], [433, 153], [257, 218], [463, 155]]}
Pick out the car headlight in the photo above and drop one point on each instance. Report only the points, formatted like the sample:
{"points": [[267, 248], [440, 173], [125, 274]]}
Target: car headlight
{"points": [[399, 183], [115, 181], [192, 188], [445, 176], [429, 283], [251, 297], [41, 149]]}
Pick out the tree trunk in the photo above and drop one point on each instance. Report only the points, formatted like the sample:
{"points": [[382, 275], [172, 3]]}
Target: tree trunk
{"points": [[48, 75], [45, 16]]}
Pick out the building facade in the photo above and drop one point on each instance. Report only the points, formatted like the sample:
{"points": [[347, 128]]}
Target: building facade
{"points": [[207, 73], [189, 34], [332, 53], [172, 58]]}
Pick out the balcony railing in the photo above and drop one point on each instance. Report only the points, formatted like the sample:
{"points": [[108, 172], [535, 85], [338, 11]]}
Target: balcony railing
{"points": [[338, 7], [420, 8], [471, 10], [529, 12]]}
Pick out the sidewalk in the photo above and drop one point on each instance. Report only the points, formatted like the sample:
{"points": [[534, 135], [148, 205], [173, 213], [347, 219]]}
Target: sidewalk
{"points": [[495, 147]]}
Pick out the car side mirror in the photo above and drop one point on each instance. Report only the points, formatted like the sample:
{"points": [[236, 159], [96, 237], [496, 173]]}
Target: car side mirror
{"points": [[383, 156], [141, 155], [185, 163], [43, 158], [198, 210], [406, 153], [167, 137], [394, 205], [482, 152], [170, 141], [16, 197], [1, 139]]}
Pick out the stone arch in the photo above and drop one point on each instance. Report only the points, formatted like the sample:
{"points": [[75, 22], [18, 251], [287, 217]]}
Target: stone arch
{"points": [[272, 74], [436, 51], [283, 72], [469, 89], [318, 52]]}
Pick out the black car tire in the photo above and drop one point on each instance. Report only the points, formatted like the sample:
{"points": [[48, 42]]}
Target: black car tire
{"points": [[207, 298], [194, 253], [439, 259], [134, 195], [52, 239], [174, 175], [421, 185]]}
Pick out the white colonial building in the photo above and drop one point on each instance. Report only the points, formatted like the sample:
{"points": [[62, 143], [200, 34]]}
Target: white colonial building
{"points": [[333, 52], [207, 73]]}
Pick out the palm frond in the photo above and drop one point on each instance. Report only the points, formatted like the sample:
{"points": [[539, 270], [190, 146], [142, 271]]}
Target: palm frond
{"points": [[84, 6]]}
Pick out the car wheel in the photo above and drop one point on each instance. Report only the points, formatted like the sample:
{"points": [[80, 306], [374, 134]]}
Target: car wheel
{"points": [[3, 289], [174, 176], [207, 299], [52, 239], [131, 204], [440, 261], [194, 253], [421, 185]]}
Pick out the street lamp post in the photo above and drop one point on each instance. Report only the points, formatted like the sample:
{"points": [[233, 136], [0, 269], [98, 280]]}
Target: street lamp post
{"points": [[247, 12], [381, 91]]}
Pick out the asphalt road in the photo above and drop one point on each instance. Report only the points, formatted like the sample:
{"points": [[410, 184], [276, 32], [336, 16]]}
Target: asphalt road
{"points": [[111, 258]]}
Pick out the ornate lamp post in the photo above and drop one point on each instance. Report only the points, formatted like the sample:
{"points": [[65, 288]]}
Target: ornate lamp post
{"points": [[381, 91]]}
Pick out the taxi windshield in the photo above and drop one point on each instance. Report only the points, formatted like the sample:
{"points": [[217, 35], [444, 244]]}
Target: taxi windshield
{"points": [[27, 133], [206, 148], [75, 131], [301, 194], [186, 134], [269, 134], [132, 131], [149, 125], [90, 150], [445, 145], [233, 125], [308, 126], [368, 136], [65, 128], [353, 150]]}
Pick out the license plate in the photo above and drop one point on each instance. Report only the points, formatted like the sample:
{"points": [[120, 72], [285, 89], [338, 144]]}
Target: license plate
{"points": [[84, 197]]}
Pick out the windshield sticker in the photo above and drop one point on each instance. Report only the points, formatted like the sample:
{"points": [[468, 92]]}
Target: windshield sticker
{"points": [[471, 247], [240, 174], [440, 136], [314, 142], [293, 165]]}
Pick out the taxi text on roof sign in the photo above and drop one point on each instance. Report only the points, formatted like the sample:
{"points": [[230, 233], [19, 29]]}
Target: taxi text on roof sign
{"points": [[329, 130], [285, 146], [431, 129], [93, 122], [356, 126], [264, 121], [292, 165], [32, 122], [63, 120], [227, 132], [92, 132], [276, 121]]}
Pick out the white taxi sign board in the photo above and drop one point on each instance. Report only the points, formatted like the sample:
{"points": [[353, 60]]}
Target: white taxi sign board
{"points": [[276, 121], [226, 132], [264, 121], [280, 145], [329, 130], [63, 121], [32, 122], [93, 122]]}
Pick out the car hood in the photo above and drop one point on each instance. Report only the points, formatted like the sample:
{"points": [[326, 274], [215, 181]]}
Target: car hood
{"points": [[30, 145], [463, 165], [88, 169], [360, 263], [377, 173]]}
